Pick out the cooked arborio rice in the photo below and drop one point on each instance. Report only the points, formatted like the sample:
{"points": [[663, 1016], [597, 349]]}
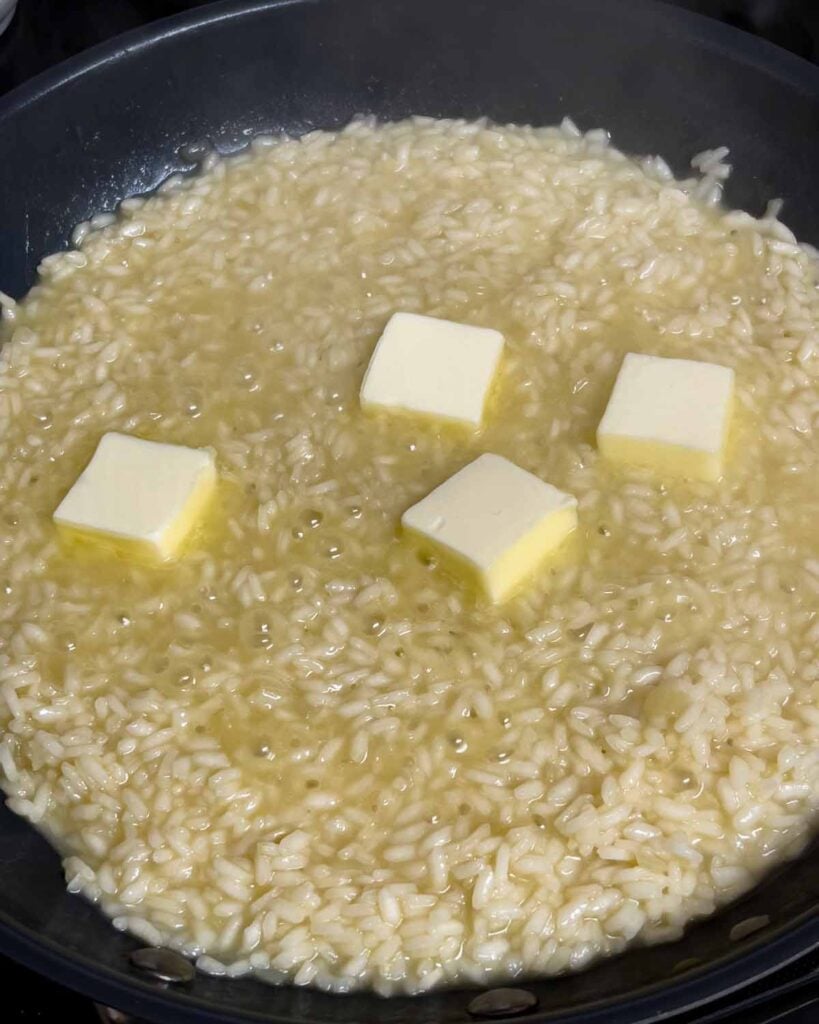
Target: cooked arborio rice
{"points": [[303, 751]]}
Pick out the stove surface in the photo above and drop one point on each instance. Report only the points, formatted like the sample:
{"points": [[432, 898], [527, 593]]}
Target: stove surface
{"points": [[45, 32]]}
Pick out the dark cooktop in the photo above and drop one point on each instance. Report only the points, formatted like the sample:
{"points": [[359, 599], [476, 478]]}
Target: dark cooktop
{"points": [[45, 32]]}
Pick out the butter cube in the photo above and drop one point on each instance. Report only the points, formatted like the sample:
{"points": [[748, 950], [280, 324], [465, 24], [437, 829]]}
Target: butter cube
{"points": [[433, 367], [671, 415], [494, 522], [140, 495]]}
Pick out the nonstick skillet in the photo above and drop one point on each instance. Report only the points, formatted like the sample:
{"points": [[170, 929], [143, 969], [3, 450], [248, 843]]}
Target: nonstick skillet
{"points": [[118, 119]]}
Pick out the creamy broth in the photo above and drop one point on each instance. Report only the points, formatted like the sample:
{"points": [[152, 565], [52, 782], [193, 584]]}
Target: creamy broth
{"points": [[304, 749]]}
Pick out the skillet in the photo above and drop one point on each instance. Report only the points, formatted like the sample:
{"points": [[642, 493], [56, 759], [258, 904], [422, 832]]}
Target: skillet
{"points": [[115, 121]]}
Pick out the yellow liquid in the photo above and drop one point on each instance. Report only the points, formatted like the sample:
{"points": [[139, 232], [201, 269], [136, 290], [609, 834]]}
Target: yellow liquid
{"points": [[302, 668]]}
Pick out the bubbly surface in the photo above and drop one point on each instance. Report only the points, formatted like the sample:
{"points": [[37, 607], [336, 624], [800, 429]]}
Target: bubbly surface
{"points": [[303, 749]]}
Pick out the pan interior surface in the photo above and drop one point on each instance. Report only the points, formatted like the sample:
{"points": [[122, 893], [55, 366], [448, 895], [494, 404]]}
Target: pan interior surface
{"points": [[238, 71]]}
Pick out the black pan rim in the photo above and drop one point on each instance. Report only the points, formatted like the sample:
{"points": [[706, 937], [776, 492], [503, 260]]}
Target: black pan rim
{"points": [[787, 67], [732, 971], [648, 1004]]}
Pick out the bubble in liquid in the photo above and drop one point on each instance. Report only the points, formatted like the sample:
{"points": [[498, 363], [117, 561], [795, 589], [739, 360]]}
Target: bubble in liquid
{"points": [[256, 629], [247, 377], [192, 402]]}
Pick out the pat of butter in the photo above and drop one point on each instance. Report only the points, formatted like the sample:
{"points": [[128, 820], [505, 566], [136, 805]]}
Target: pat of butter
{"points": [[433, 367], [141, 495], [493, 521], [671, 415]]}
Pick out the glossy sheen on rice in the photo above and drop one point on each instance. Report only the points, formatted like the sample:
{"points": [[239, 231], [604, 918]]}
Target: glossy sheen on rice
{"points": [[304, 752]]}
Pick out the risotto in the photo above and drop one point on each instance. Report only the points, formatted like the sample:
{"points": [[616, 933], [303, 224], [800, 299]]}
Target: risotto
{"points": [[302, 749]]}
